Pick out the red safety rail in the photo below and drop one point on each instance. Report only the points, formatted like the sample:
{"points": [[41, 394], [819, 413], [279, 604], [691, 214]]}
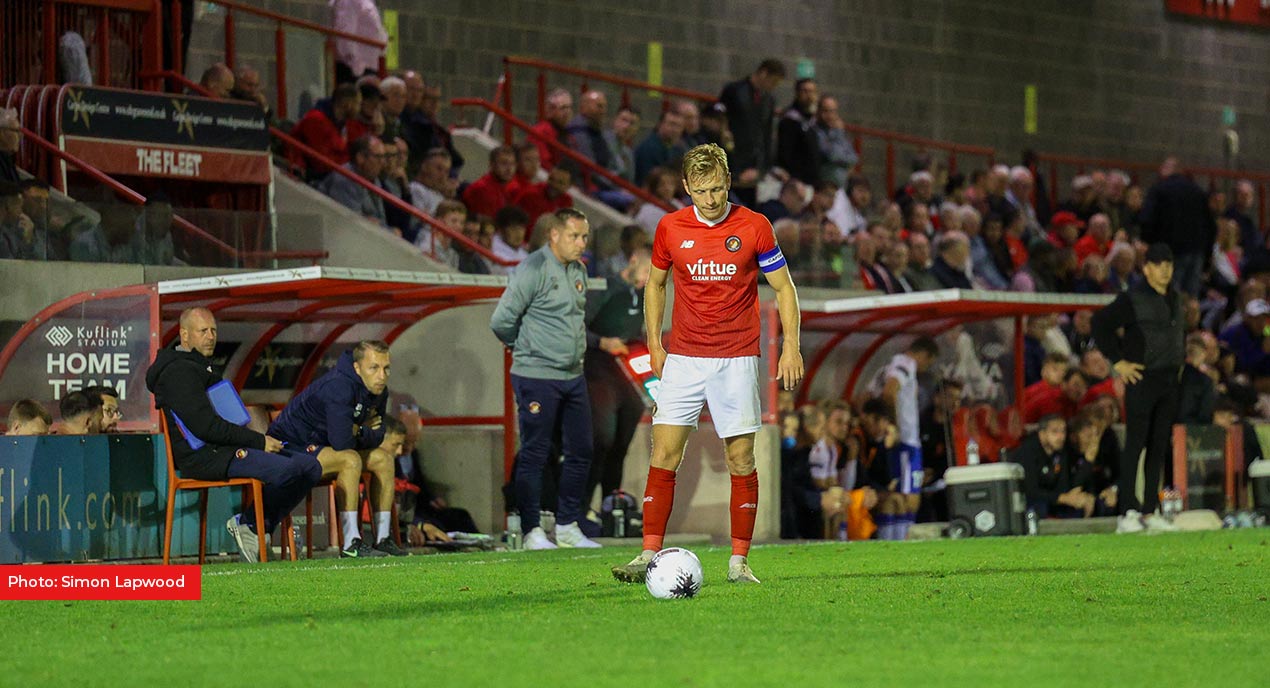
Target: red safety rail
{"points": [[281, 22], [510, 121], [587, 76], [891, 140], [132, 197], [122, 38], [388, 198], [1143, 173]]}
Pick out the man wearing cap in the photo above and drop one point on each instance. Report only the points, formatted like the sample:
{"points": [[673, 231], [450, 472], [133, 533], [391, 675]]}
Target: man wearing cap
{"points": [[1065, 229], [1148, 357], [1249, 341]]}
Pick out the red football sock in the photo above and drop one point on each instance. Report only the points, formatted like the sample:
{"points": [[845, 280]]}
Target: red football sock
{"points": [[744, 508], [659, 497]]}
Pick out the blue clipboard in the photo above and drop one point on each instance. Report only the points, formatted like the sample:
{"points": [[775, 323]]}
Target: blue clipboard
{"points": [[227, 404]]}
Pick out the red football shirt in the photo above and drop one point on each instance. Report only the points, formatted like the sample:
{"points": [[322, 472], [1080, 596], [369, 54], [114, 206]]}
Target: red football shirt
{"points": [[715, 272]]}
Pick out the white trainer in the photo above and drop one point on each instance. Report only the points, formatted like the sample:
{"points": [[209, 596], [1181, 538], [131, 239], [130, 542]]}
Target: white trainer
{"points": [[739, 572], [248, 543], [1156, 523], [537, 539], [571, 536], [1130, 522]]}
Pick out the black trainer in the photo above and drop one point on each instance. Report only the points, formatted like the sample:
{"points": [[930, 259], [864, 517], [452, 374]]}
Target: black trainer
{"points": [[359, 550], [389, 546]]}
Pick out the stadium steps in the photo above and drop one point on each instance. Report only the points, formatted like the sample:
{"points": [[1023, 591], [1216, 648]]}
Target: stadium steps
{"points": [[308, 220]]}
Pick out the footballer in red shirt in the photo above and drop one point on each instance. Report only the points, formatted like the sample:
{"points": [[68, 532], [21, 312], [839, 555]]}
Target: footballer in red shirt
{"points": [[715, 251]]}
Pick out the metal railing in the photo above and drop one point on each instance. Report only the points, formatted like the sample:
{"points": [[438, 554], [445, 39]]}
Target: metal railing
{"points": [[511, 121], [279, 42]]}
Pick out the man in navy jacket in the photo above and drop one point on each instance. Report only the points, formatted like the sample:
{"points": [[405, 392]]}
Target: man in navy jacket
{"points": [[338, 419]]}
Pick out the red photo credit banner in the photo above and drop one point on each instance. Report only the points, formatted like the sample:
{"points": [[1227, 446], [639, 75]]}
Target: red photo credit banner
{"points": [[101, 582]]}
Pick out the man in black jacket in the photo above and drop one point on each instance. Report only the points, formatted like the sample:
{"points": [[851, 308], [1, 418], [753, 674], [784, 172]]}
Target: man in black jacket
{"points": [[1047, 479], [179, 379], [1176, 213], [797, 145], [1148, 357], [750, 108]]}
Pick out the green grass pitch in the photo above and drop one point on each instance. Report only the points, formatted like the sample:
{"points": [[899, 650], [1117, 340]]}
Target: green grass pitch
{"points": [[1091, 611]]}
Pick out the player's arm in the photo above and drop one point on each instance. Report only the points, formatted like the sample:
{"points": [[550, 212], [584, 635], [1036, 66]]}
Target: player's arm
{"points": [[789, 370], [512, 305], [654, 311], [891, 391]]}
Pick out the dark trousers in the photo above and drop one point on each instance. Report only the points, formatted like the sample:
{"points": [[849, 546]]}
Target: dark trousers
{"points": [[545, 407], [616, 408], [287, 479], [1150, 411]]}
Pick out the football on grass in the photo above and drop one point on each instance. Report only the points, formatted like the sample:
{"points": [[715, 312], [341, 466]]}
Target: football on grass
{"points": [[674, 573]]}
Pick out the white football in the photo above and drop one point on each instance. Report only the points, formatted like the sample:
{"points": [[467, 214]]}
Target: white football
{"points": [[674, 573]]}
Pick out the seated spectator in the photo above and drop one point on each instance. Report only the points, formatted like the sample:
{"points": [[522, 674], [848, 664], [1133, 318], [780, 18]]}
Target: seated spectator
{"points": [[1122, 272], [1197, 392], [1247, 340], [1015, 225], [1019, 195], [112, 241], [879, 452], [247, 87], [367, 161], [952, 260], [52, 237], [1065, 229], [791, 202], [218, 79], [152, 241], [27, 417], [1097, 240], [1094, 456], [338, 421], [633, 238], [471, 261], [428, 515], [586, 137], [1097, 371], [488, 195], [528, 168], [81, 414], [510, 225], [1227, 258], [833, 459], [917, 219], [395, 182], [894, 261], [919, 274], [369, 119], [1040, 394], [693, 135], [621, 142], [990, 256], [10, 141], [1084, 201], [179, 379], [1241, 210], [433, 182], [325, 129], [547, 197], [106, 400], [1228, 414], [866, 253], [662, 183], [661, 148], [17, 231], [553, 127], [850, 208], [438, 244], [1047, 480], [1041, 272], [1063, 402], [1093, 275], [392, 91]]}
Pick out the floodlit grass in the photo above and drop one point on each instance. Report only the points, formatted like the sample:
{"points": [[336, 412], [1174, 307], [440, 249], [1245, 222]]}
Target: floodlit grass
{"points": [[1092, 610]]}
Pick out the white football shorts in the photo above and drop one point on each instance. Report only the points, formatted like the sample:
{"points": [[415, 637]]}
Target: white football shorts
{"points": [[729, 386]]}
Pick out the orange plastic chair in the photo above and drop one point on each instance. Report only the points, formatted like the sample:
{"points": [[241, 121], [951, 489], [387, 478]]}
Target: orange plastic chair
{"points": [[251, 488]]}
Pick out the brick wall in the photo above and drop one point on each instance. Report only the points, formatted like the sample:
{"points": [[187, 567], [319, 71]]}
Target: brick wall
{"points": [[1115, 77]]}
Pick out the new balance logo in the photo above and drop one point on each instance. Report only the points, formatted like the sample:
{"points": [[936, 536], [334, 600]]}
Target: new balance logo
{"points": [[648, 499], [686, 244], [749, 505]]}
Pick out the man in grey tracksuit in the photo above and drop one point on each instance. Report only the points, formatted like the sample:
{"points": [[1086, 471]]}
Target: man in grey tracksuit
{"points": [[540, 316]]}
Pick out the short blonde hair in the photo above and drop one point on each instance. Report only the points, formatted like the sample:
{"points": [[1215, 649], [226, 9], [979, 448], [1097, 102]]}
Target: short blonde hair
{"points": [[704, 161]]}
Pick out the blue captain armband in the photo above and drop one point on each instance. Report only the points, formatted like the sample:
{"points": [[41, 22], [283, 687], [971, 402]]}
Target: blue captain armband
{"points": [[772, 260]]}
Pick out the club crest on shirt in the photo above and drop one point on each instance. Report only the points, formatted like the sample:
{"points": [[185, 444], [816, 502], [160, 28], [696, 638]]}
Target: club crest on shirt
{"points": [[311, 448], [240, 454], [732, 244], [535, 407], [577, 284]]}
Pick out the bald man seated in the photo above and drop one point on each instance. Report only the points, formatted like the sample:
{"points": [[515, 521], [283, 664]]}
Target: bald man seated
{"points": [[179, 379]]}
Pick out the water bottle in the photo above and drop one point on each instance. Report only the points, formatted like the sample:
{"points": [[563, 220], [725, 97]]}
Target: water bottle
{"points": [[619, 514], [513, 531], [972, 452], [842, 531], [1031, 522]]}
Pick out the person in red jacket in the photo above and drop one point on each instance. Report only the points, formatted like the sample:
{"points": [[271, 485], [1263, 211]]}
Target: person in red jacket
{"points": [[559, 111], [487, 195], [547, 197], [1097, 240], [324, 128], [528, 161]]}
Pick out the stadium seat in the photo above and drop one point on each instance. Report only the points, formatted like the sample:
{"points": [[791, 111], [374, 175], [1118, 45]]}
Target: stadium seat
{"points": [[251, 496]]}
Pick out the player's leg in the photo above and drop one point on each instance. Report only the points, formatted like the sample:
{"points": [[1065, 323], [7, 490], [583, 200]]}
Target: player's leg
{"points": [[907, 472], [382, 492], [733, 397], [575, 441], [346, 467], [286, 479], [743, 506]]}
